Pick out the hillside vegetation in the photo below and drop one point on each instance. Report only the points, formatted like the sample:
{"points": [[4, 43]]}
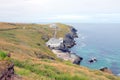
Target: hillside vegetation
{"points": [[34, 61]]}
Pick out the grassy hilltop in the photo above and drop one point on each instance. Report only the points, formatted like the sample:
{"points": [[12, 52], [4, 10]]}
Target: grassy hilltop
{"points": [[34, 61]]}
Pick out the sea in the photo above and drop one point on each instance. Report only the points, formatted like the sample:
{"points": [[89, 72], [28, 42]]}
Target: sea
{"points": [[99, 40]]}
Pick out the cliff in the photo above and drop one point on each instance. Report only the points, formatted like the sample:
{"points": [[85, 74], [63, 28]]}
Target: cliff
{"points": [[62, 51], [33, 60]]}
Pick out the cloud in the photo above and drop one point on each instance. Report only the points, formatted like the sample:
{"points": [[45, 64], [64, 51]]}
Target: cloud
{"points": [[89, 18], [73, 17], [60, 10]]}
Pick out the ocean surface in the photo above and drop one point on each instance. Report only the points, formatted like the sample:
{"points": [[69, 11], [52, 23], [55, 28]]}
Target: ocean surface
{"points": [[101, 41]]}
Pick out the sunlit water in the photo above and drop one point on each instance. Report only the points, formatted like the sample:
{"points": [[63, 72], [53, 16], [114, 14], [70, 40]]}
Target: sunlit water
{"points": [[101, 41]]}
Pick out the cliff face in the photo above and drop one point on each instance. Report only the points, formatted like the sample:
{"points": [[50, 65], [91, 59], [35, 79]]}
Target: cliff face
{"points": [[69, 42], [69, 38]]}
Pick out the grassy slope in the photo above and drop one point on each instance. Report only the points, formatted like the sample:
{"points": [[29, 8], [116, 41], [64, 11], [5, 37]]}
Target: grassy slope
{"points": [[23, 44]]}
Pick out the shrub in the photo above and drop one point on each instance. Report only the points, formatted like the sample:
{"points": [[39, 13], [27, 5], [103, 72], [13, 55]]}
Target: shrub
{"points": [[3, 55]]}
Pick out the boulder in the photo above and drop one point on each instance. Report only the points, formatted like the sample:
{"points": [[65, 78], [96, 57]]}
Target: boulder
{"points": [[78, 60], [105, 69], [7, 71], [69, 40], [73, 29]]}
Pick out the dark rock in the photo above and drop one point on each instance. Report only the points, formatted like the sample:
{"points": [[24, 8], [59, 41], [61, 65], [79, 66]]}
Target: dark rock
{"points": [[73, 29], [92, 60], [69, 38], [74, 32], [9, 55], [105, 69], [7, 71], [78, 60], [69, 41], [63, 48]]}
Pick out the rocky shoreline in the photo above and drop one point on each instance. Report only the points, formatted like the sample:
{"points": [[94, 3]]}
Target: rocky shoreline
{"points": [[62, 51], [69, 42]]}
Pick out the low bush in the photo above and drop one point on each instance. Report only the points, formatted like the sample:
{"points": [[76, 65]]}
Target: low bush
{"points": [[3, 55]]}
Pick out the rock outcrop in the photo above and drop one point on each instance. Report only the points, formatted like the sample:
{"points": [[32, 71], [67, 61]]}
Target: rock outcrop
{"points": [[77, 60], [61, 46], [105, 69], [69, 38], [69, 42], [7, 71]]}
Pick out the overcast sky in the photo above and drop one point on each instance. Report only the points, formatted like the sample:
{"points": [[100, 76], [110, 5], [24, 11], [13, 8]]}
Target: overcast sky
{"points": [[60, 11]]}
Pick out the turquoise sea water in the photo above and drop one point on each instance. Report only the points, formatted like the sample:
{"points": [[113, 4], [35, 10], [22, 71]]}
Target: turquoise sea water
{"points": [[101, 41]]}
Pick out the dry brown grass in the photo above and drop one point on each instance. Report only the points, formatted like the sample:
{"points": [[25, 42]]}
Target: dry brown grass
{"points": [[22, 45]]}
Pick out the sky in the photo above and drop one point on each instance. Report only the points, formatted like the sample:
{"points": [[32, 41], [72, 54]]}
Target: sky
{"points": [[75, 11]]}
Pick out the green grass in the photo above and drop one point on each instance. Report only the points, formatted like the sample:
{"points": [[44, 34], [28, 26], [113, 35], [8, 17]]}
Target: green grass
{"points": [[23, 72], [29, 37], [38, 69], [28, 48], [69, 77], [46, 71], [3, 55]]}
